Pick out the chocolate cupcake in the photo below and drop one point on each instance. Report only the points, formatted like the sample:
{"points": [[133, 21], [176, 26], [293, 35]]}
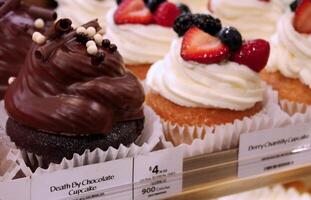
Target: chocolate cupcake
{"points": [[17, 24], [73, 94]]}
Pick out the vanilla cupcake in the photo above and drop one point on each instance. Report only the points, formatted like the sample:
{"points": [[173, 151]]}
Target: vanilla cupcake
{"points": [[209, 77], [81, 11], [288, 69], [143, 35], [254, 18]]}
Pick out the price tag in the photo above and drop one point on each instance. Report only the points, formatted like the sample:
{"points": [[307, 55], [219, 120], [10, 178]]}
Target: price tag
{"points": [[275, 149], [98, 181], [16, 189], [158, 174]]}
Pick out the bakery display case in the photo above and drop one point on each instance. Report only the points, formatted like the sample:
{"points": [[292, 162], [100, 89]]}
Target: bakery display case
{"points": [[155, 100]]}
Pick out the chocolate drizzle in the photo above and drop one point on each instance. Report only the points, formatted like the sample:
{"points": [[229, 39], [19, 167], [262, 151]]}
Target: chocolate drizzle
{"points": [[37, 12], [16, 29], [8, 6], [72, 92]]}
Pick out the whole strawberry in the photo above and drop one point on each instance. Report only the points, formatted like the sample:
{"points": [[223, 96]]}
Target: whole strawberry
{"points": [[166, 14], [254, 54]]}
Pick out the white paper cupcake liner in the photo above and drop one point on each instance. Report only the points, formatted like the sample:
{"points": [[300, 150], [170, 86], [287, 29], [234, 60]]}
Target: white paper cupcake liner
{"points": [[9, 158], [292, 107], [205, 139], [149, 138]]}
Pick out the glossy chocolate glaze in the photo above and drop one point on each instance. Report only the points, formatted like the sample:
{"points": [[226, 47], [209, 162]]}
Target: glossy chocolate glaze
{"points": [[62, 90], [16, 29]]}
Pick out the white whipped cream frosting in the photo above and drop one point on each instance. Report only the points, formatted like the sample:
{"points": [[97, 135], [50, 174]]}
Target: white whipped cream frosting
{"points": [[275, 193], [82, 11], [291, 51], [139, 44], [196, 6], [190, 84], [253, 18]]}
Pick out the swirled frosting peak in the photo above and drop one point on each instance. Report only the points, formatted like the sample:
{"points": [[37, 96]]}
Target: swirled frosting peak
{"points": [[254, 18], [17, 24], [66, 87], [81, 11], [293, 48]]}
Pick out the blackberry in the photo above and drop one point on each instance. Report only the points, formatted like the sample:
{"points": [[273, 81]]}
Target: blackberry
{"points": [[153, 4], [183, 8], [118, 1], [207, 23], [294, 5], [231, 37], [183, 23]]}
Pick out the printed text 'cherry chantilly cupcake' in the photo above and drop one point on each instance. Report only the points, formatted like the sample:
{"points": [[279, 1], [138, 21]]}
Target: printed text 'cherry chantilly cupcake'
{"points": [[73, 94], [209, 77], [288, 70], [143, 31], [17, 24]]}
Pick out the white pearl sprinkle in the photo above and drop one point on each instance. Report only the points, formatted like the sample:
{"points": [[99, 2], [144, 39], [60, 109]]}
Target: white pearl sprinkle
{"points": [[90, 43], [38, 38], [92, 50], [101, 31], [39, 23], [11, 80], [81, 29], [91, 31], [98, 39], [73, 26]]}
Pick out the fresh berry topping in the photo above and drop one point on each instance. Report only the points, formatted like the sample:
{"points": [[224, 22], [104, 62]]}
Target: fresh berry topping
{"points": [[231, 37], [182, 24], [153, 4], [133, 12], [265, 0], [118, 1], [303, 17], [183, 8], [207, 23], [294, 5], [202, 47], [166, 14], [254, 54]]}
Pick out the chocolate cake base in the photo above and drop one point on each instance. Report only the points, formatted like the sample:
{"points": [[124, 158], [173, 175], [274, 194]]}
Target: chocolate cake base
{"points": [[54, 147]]}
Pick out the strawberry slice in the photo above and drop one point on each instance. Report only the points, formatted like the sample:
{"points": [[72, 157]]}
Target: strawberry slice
{"points": [[203, 48], [254, 54], [133, 12], [302, 19], [166, 14]]}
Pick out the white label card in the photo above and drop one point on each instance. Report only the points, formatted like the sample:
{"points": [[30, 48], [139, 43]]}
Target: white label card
{"points": [[16, 189], [274, 149], [88, 182], [158, 175]]}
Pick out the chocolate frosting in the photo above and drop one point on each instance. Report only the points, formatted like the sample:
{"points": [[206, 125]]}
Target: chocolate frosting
{"points": [[61, 89], [16, 29]]}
